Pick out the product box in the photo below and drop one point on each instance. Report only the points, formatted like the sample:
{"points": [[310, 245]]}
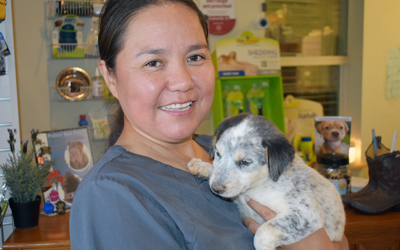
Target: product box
{"points": [[247, 56], [332, 135]]}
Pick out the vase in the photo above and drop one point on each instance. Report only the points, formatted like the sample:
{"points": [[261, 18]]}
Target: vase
{"points": [[25, 214]]}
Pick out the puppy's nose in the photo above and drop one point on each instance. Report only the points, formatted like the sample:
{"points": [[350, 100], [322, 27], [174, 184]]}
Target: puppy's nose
{"points": [[335, 134], [217, 188]]}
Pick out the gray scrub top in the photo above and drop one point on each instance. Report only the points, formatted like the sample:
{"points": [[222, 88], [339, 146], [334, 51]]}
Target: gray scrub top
{"points": [[129, 201]]}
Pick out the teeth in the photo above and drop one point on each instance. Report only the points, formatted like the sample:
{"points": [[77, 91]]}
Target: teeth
{"points": [[181, 107]]}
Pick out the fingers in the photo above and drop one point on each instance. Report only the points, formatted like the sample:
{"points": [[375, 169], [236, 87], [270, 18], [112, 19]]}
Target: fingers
{"points": [[251, 224], [262, 210]]}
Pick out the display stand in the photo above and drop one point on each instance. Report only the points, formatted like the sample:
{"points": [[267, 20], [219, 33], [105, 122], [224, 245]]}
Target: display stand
{"points": [[261, 68]]}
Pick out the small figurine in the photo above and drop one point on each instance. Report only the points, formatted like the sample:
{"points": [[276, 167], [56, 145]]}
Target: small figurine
{"points": [[48, 208], [60, 205]]}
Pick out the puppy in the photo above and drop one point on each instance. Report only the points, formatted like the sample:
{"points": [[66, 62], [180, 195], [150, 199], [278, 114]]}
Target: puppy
{"points": [[77, 158], [333, 133], [252, 157], [229, 59]]}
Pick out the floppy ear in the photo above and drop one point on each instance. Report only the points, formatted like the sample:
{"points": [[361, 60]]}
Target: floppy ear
{"points": [[319, 127], [224, 125], [346, 127], [279, 154], [211, 153]]}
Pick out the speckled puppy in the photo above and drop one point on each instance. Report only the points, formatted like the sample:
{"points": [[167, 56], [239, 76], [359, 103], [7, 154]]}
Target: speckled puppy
{"points": [[252, 157]]}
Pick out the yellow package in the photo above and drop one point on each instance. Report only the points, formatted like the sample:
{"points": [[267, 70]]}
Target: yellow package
{"points": [[3, 9]]}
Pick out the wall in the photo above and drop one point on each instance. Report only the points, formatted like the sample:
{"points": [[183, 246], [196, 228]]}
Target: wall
{"points": [[33, 91], [381, 31]]}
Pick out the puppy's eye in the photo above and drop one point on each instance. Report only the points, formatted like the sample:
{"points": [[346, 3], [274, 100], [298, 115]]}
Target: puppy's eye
{"points": [[326, 127], [217, 154], [341, 127], [244, 163]]}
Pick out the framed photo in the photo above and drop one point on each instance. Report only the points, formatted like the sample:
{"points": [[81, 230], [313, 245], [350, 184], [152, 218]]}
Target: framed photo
{"points": [[70, 152]]}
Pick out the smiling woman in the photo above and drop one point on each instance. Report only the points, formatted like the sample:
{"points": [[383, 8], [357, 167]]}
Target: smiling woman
{"points": [[139, 195]]}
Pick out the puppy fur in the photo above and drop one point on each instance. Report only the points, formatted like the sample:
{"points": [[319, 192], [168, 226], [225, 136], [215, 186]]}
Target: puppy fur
{"points": [[252, 157], [333, 133]]}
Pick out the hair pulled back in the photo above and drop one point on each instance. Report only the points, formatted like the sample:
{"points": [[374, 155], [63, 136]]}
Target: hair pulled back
{"points": [[114, 19]]}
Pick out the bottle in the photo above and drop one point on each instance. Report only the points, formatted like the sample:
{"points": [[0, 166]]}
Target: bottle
{"points": [[306, 147], [83, 121], [335, 168], [235, 101], [224, 100], [255, 97], [92, 39], [97, 85], [55, 35]]}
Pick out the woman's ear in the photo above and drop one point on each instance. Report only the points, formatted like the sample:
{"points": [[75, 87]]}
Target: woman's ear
{"points": [[109, 78]]}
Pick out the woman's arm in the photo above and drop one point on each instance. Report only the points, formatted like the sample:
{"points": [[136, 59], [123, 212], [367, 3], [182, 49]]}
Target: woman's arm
{"points": [[316, 241]]}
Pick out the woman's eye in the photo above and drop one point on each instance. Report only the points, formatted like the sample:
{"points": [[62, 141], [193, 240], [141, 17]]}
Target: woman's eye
{"points": [[195, 58], [153, 63]]}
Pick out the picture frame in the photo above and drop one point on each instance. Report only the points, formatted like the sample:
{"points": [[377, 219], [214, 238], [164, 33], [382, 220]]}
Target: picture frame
{"points": [[70, 153]]}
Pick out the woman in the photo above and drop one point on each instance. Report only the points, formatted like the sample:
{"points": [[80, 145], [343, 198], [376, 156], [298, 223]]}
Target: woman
{"points": [[156, 62]]}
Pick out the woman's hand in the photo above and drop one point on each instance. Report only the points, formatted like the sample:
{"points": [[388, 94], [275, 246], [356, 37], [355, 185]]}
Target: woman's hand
{"points": [[317, 240]]}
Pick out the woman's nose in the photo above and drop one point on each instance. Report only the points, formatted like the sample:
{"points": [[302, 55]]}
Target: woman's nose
{"points": [[179, 78]]}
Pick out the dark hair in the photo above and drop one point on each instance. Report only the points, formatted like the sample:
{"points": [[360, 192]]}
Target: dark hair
{"points": [[115, 17]]}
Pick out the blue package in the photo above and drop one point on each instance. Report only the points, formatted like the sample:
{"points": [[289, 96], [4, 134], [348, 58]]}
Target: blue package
{"points": [[3, 42]]}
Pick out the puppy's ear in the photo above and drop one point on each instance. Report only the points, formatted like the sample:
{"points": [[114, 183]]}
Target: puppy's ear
{"points": [[212, 148], [223, 126], [279, 154], [319, 127], [346, 127]]}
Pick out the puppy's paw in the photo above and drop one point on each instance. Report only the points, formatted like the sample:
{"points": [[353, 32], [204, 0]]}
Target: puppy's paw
{"points": [[197, 167], [265, 238]]}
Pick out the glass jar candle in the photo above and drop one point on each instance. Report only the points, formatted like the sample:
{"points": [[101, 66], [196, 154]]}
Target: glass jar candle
{"points": [[335, 167]]}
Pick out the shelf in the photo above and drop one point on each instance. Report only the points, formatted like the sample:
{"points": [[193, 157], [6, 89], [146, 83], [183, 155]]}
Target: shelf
{"points": [[287, 61], [79, 8], [73, 51]]}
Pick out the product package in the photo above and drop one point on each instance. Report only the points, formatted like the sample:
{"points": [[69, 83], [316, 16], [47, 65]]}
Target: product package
{"points": [[332, 135], [100, 124]]}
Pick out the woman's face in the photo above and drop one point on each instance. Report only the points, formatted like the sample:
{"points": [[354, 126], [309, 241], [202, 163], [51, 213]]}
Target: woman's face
{"points": [[164, 77]]}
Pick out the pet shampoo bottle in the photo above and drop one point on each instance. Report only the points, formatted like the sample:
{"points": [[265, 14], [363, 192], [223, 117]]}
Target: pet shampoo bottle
{"points": [[225, 94], [97, 85], [255, 97], [235, 101]]}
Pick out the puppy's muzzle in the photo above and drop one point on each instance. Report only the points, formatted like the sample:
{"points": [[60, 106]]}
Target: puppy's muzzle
{"points": [[217, 188], [335, 134]]}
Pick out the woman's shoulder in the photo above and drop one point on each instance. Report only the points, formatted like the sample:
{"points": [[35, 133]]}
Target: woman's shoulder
{"points": [[205, 141]]}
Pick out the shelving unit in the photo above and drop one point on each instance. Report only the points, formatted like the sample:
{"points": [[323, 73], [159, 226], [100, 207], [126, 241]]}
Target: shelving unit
{"points": [[84, 10], [65, 113]]}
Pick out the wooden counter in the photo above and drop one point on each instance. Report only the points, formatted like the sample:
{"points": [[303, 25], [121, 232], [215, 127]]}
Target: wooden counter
{"points": [[373, 232], [51, 233], [364, 232]]}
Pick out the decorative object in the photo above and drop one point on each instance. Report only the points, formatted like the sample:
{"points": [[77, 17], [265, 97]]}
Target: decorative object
{"points": [[24, 178], [74, 84], [382, 192]]}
